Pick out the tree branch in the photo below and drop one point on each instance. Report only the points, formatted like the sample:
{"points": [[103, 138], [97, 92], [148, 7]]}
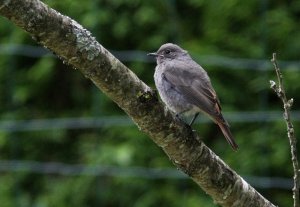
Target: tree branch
{"points": [[287, 104], [77, 47]]}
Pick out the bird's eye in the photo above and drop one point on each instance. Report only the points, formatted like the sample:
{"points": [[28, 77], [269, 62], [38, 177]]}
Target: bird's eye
{"points": [[167, 51]]}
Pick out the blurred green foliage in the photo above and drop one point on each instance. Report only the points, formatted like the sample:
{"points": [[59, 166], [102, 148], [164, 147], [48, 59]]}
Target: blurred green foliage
{"points": [[39, 88]]}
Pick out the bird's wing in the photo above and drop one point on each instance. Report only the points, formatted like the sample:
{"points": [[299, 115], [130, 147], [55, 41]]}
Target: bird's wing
{"points": [[194, 84]]}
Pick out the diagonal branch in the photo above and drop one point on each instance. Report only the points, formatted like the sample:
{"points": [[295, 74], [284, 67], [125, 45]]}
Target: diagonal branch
{"points": [[287, 104], [77, 47]]}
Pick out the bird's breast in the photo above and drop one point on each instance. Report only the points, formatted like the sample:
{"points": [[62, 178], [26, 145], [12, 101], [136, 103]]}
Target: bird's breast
{"points": [[169, 94]]}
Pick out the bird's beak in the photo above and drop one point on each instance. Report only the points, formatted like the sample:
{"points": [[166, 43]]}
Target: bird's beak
{"points": [[154, 54]]}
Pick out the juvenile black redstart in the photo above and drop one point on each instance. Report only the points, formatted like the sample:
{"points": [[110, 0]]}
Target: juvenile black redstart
{"points": [[185, 87]]}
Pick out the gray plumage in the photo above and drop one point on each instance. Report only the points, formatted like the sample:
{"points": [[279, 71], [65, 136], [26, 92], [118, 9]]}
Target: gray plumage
{"points": [[185, 87]]}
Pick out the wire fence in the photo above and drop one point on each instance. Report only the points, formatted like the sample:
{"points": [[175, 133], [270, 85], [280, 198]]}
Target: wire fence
{"points": [[141, 56], [115, 171], [109, 121], [8, 166]]}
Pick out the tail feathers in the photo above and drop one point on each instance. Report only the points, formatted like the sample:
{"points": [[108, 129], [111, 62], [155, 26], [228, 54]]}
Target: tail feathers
{"points": [[226, 132]]}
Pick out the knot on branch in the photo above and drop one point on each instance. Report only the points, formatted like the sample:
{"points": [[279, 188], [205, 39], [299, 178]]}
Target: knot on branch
{"points": [[273, 85], [290, 103], [291, 131], [276, 89], [148, 97]]}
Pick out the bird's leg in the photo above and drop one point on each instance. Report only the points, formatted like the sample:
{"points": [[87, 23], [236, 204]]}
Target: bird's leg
{"points": [[194, 118], [178, 118], [181, 120]]}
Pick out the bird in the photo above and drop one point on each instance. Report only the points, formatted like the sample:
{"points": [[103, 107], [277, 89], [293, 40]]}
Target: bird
{"points": [[185, 88]]}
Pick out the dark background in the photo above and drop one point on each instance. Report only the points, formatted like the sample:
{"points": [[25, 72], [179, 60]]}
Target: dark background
{"points": [[64, 143]]}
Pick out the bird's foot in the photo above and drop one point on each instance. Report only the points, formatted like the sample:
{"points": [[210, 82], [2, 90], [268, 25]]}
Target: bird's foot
{"points": [[179, 119]]}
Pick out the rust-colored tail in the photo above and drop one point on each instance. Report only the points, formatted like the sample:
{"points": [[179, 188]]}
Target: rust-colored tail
{"points": [[226, 132]]}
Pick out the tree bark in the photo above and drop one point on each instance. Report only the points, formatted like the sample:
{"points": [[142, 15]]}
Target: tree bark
{"points": [[77, 47]]}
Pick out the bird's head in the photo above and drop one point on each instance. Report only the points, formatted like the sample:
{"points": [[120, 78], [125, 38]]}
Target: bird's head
{"points": [[167, 52]]}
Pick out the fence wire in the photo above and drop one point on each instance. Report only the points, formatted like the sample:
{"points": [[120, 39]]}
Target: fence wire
{"points": [[129, 172], [109, 121], [9, 166], [141, 56]]}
